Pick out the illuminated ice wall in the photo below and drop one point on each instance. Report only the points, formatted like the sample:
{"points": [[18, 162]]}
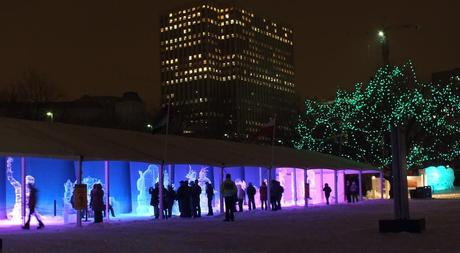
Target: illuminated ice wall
{"points": [[440, 178], [130, 181]]}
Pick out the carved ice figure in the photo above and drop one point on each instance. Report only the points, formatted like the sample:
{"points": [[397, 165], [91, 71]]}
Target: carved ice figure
{"points": [[15, 213], [144, 182]]}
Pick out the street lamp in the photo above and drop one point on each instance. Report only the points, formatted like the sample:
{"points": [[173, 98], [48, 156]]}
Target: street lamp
{"points": [[381, 34], [50, 115]]}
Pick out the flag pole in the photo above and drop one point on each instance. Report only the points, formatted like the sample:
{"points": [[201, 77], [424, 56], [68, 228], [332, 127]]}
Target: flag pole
{"points": [[165, 153]]}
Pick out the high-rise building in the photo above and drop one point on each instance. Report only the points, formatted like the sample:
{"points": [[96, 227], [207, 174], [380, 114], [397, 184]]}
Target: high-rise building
{"points": [[227, 71]]}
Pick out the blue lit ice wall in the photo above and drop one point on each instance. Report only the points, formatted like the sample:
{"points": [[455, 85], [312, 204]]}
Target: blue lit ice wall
{"points": [[2, 188], [120, 183], [50, 176]]}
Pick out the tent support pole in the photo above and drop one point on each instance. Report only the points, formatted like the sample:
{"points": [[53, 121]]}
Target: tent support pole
{"points": [[381, 185], [360, 181], [221, 202], [23, 190], [107, 189], [321, 186], [79, 181], [306, 189], [336, 187], [160, 189], [295, 186]]}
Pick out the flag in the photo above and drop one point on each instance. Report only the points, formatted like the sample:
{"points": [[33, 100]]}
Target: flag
{"points": [[268, 129]]}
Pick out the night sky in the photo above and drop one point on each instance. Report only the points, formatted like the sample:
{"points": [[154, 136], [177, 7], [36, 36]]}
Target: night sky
{"points": [[105, 47]]}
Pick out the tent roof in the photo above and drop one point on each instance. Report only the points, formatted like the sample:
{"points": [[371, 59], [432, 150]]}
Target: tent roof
{"points": [[57, 140]]}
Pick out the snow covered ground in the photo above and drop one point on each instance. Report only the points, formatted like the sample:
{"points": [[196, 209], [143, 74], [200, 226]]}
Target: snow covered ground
{"points": [[343, 228]]}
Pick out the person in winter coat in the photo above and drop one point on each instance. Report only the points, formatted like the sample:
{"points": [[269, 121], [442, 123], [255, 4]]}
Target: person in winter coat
{"points": [[327, 192], [155, 200], [97, 202], [240, 195], [170, 196], [347, 191], [32, 202], [209, 195], [196, 191], [279, 195], [354, 192], [183, 197], [263, 196], [251, 191], [228, 191]]}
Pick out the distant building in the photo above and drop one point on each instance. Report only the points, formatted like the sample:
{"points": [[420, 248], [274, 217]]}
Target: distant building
{"points": [[126, 112], [229, 71]]}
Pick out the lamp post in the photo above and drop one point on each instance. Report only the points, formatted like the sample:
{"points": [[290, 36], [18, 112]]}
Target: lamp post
{"points": [[50, 116], [402, 221]]}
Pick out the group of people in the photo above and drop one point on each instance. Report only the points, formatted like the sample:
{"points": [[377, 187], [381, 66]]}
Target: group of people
{"points": [[351, 192], [234, 194], [187, 196]]}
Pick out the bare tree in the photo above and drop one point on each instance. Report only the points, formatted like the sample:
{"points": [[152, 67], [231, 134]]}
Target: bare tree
{"points": [[32, 87]]}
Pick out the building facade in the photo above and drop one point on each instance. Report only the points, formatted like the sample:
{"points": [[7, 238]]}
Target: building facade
{"points": [[227, 71]]}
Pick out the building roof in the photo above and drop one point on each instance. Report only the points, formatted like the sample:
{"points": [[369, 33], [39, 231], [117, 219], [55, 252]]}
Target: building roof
{"points": [[58, 140]]}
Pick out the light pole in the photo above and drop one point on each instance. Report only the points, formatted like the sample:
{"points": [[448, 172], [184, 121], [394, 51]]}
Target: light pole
{"points": [[50, 116], [383, 36]]}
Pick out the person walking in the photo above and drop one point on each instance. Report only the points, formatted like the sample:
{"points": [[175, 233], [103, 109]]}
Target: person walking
{"points": [[327, 192], [354, 192], [155, 200], [209, 195], [251, 191], [32, 203], [97, 202], [263, 196], [196, 191], [228, 191]]}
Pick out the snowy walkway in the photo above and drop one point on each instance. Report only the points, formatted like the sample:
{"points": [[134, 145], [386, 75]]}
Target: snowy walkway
{"points": [[344, 228]]}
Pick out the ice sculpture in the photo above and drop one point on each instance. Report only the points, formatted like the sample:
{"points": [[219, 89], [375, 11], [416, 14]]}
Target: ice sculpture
{"points": [[144, 182], [440, 178], [15, 213]]}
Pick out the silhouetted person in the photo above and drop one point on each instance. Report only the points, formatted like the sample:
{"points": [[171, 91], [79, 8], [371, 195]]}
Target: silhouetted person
{"points": [[327, 192], [183, 197], [209, 195], [32, 203], [196, 191], [354, 192], [347, 191], [263, 196], [251, 191], [279, 195], [228, 191], [155, 200], [97, 202], [273, 195], [240, 195], [170, 196]]}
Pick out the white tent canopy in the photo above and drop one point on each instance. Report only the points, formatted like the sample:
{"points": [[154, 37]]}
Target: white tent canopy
{"points": [[57, 140]]}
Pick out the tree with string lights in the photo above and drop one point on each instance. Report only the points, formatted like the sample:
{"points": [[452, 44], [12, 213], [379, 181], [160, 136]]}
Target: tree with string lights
{"points": [[357, 123]]}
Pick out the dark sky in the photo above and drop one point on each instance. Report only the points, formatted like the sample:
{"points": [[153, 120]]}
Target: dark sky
{"points": [[105, 47]]}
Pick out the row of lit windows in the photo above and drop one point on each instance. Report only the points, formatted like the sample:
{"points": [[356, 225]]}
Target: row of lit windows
{"points": [[183, 45], [188, 17], [228, 78]]}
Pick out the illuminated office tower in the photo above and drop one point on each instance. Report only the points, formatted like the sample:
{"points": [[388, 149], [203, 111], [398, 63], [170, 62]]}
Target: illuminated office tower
{"points": [[229, 72]]}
